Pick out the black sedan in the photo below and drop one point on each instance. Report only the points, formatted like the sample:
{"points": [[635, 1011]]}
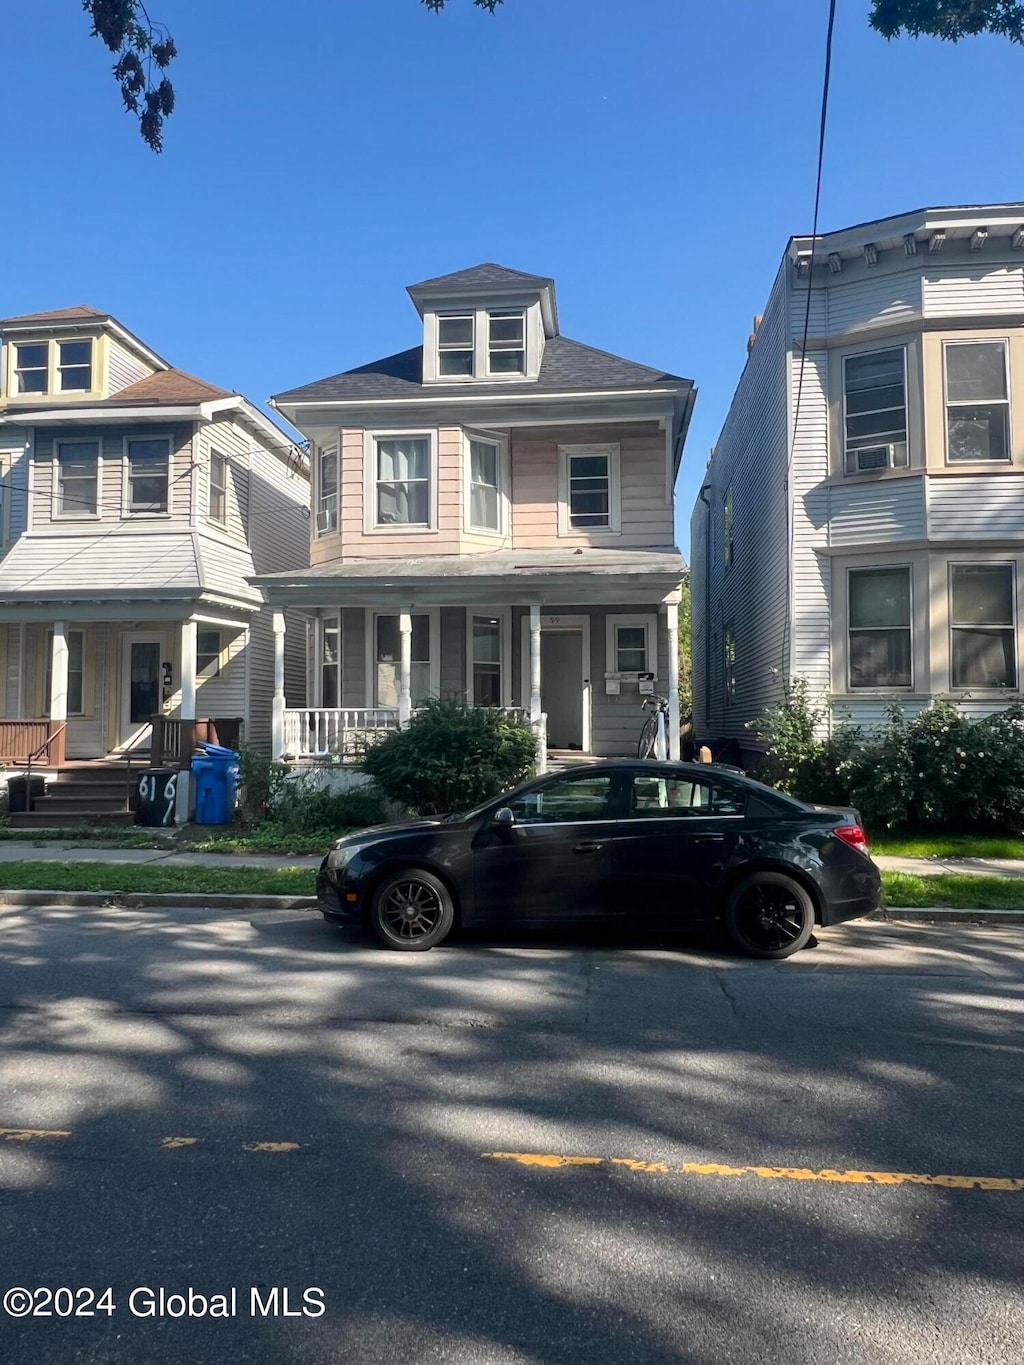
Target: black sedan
{"points": [[665, 845]]}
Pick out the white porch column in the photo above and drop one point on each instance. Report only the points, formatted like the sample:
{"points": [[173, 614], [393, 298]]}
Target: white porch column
{"points": [[183, 799], [535, 679], [277, 710], [672, 622], [405, 667], [59, 675]]}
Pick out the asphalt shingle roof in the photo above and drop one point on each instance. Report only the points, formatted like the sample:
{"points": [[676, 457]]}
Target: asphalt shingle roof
{"points": [[666, 561], [77, 314], [483, 275]]}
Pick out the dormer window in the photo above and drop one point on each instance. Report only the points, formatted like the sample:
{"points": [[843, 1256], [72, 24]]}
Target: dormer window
{"points": [[506, 343], [75, 366], [53, 367], [31, 366], [456, 344]]}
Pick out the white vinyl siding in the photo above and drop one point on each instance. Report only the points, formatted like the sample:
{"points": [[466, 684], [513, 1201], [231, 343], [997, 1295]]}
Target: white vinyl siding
{"points": [[973, 291], [976, 507]]}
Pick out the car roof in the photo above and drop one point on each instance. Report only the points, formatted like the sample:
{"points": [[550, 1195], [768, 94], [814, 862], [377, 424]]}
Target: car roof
{"points": [[656, 765]]}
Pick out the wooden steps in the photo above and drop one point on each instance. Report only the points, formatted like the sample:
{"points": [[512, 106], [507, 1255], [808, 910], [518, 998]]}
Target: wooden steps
{"points": [[85, 793]]}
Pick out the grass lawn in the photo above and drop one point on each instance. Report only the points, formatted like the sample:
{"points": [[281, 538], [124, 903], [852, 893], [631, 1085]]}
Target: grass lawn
{"points": [[268, 839], [203, 881], [947, 845], [960, 891]]}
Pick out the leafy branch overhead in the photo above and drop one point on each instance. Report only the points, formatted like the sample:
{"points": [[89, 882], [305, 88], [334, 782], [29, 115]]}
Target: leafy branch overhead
{"points": [[949, 19], [144, 51]]}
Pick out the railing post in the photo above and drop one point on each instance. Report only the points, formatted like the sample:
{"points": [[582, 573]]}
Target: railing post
{"points": [[188, 720], [277, 711]]}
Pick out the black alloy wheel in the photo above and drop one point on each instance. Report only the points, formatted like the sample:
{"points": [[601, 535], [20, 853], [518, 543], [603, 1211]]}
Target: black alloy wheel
{"points": [[769, 915], [412, 911]]}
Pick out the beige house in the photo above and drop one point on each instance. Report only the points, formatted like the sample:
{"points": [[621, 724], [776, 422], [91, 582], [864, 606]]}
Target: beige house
{"points": [[138, 501], [492, 520]]}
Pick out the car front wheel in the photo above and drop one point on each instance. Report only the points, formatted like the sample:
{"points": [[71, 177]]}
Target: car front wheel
{"points": [[412, 911], [769, 915]]}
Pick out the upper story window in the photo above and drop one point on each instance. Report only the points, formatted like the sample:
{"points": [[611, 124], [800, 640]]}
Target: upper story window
{"points": [[148, 474], [456, 340], [590, 489], [506, 343], [728, 525], [328, 473], [485, 485], [74, 366], [77, 479], [31, 367], [402, 481], [983, 650], [875, 411], [977, 401], [209, 644], [880, 645], [218, 490], [53, 366]]}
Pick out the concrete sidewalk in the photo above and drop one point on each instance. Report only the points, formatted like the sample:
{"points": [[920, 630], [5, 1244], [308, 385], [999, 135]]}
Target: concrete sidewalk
{"points": [[933, 867]]}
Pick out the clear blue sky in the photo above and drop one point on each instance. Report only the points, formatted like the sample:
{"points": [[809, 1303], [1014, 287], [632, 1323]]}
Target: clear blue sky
{"points": [[653, 157]]}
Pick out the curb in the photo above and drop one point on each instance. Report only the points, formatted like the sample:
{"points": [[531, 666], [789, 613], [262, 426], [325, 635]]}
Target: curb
{"points": [[146, 900], [944, 914]]}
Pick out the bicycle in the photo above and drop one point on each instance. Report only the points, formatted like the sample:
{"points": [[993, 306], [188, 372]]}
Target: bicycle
{"points": [[654, 736]]}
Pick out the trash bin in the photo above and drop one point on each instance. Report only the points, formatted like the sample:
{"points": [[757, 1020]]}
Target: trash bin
{"points": [[215, 773], [156, 797], [21, 796]]}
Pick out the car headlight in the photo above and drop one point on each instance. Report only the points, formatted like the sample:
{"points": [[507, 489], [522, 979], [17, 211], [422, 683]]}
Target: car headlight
{"points": [[338, 857]]}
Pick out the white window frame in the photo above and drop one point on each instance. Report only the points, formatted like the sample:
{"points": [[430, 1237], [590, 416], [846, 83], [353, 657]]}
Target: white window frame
{"points": [[631, 621], [1007, 459], [504, 314], [370, 441], [566, 453], [55, 502], [372, 613], [970, 688], [504, 617], [894, 689], [218, 661], [502, 444], [59, 367], [846, 452], [333, 448], [217, 455], [17, 370], [329, 621], [471, 316], [126, 483]]}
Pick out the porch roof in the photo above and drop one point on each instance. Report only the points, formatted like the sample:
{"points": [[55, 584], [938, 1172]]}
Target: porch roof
{"points": [[563, 576]]}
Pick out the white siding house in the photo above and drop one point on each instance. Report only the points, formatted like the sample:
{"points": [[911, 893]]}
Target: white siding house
{"points": [[861, 522]]}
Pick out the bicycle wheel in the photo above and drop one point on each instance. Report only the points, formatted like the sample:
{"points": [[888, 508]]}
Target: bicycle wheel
{"points": [[648, 738]]}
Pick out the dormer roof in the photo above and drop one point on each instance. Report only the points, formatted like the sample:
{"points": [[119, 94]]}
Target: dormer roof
{"points": [[81, 312], [488, 283], [81, 315]]}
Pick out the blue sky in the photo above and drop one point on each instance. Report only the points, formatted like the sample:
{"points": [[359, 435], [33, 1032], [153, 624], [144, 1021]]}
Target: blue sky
{"points": [[653, 157]]}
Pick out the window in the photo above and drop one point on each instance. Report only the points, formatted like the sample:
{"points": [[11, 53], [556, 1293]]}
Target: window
{"points": [[983, 649], [77, 478], [218, 487], [729, 660], [566, 799], [880, 630], [506, 343], [403, 481], [977, 406], [31, 365], [389, 656], [631, 644], [590, 478], [330, 664], [74, 366], [456, 340], [76, 672], [484, 486], [486, 660], [208, 653], [659, 798], [148, 464], [875, 410], [728, 518], [327, 491]]}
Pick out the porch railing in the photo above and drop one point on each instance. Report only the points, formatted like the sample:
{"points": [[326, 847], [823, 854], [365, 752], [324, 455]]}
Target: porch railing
{"points": [[34, 738], [174, 739], [342, 735]]}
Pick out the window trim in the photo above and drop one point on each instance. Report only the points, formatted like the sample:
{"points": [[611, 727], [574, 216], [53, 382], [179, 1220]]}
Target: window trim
{"points": [[630, 620], [59, 367], [219, 661], [1005, 460], [370, 443], [329, 620], [469, 435], [844, 450], [895, 689], [332, 448], [504, 314], [504, 618], [53, 368], [126, 482], [17, 370], [440, 348], [214, 455], [971, 688], [55, 495], [566, 453], [370, 627]]}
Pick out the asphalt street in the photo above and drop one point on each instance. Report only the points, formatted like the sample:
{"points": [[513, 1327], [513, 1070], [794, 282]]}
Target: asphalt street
{"points": [[506, 1152]]}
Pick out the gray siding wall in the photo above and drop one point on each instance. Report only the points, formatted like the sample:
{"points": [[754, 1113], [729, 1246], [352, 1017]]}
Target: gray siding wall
{"points": [[870, 299], [14, 446], [969, 290], [810, 646], [224, 696], [890, 510], [353, 657], [976, 507], [12, 637], [453, 652], [112, 499], [124, 368]]}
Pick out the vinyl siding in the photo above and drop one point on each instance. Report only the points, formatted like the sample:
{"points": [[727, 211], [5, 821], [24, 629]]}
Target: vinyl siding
{"points": [[453, 652], [890, 510], [616, 722], [353, 657], [112, 501], [224, 696], [976, 507], [873, 300], [224, 437], [810, 651], [14, 466], [12, 654], [966, 291], [124, 367]]}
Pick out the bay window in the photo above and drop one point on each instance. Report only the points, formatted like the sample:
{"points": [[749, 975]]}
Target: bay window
{"points": [[983, 640], [880, 631], [327, 491], [484, 485], [875, 410], [218, 490], [402, 481], [977, 401]]}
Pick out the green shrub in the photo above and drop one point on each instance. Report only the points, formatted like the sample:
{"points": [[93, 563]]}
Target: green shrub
{"points": [[452, 756], [305, 805], [260, 785]]}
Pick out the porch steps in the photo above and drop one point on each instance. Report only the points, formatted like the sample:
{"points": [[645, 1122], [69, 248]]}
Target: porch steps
{"points": [[90, 793]]}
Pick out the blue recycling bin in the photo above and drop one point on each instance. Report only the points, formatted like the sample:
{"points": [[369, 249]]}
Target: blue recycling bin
{"points": [[215, 773]]}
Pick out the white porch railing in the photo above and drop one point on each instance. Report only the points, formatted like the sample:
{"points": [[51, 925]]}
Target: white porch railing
{"points": [[342, 735]]}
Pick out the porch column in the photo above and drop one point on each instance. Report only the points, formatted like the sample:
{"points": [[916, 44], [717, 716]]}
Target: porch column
{"points": [[535, 696], [672, 622], [58, 692], [405, 667], [277, 711], [183, 806]]}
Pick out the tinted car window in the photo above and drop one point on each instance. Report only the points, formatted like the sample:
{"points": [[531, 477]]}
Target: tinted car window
{"points": [[564, 800], [658, 797]]}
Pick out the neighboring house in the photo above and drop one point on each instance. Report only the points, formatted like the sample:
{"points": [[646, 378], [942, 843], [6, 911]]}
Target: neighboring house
{"points": [[137, 503], [492, 521], [875, 545]]}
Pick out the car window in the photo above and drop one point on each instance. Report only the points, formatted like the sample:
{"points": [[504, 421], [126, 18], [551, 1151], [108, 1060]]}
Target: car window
{"points": [[564, 800], [657, 797]]}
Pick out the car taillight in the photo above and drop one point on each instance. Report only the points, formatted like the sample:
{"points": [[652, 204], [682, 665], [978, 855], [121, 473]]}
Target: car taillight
{"points": [[854, 836]]}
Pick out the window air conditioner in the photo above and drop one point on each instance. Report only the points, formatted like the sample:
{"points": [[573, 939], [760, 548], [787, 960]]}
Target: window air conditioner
{"points": [[326, 521], [870, 458]]}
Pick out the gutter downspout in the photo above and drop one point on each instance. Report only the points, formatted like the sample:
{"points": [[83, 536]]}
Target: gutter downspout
{"points": [[707, 610]]}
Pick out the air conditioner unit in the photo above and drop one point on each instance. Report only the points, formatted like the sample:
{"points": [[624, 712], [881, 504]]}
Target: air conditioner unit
{"points": [[868, 459], [326, 522]]}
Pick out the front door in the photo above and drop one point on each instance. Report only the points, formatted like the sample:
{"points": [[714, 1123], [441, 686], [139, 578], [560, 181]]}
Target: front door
{"points": [[561, 670], [141, 682]]}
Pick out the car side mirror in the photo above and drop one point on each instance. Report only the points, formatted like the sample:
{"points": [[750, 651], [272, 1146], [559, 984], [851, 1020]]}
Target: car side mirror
{"points": [[504, 817]]}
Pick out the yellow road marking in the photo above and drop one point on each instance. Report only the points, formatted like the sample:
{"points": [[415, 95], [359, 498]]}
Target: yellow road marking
{"points": [[30, 1134], [270, 1146], [827, 1176], [173, 1143]]}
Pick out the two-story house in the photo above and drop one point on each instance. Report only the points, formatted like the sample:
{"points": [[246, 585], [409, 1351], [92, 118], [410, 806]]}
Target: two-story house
{"points": [[138, 501], [492, 521], [861, 524]]}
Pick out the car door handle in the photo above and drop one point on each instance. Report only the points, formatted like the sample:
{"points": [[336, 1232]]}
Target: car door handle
{"points": [[589, 846], [708, 839]]}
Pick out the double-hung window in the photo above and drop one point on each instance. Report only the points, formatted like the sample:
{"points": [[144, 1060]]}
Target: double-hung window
{"points": [[456, 342], [389, 660], [590, 477], [486, 658], [983, 645], [875, 411], [880, 632], [631, 644], [208, 653], [218, 487], [977, 401], [484, 485], [330, 663], [506, 343], [77, 478], [148, 474], [327, 491], [31, 367], [402, 481], [74, 366]]}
